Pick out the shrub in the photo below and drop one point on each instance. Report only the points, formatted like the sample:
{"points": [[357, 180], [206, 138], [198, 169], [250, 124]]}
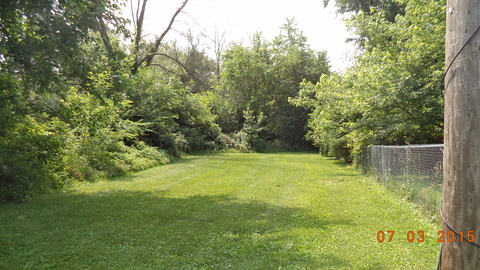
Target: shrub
{"points": [[30, 157], [181, 143]]}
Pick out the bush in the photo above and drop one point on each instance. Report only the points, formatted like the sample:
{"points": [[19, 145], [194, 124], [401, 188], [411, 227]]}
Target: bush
{"points": [[86, 143], [30, 157], [223, 141], [78, 167], [242, 141], [249, 137], [118, 159], [181, 143]]}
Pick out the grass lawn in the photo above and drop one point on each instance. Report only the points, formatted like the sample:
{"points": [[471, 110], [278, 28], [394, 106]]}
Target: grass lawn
{"points": [[220, 211]]}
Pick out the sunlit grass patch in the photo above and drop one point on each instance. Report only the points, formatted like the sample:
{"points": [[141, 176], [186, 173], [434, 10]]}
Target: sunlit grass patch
{"points": [[220, 211]]}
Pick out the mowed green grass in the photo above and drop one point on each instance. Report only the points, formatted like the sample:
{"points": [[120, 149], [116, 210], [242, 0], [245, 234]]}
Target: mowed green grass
{"points": [[220, 211]]}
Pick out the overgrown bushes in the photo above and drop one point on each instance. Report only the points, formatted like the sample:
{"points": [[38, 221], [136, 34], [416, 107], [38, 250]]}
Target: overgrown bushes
{"points": [[85, 143], [393, 92], [82, 97]]}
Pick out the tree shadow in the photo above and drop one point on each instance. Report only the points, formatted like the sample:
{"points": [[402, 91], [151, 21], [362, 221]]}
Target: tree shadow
{"points": [[339, 162], [125, 229]]}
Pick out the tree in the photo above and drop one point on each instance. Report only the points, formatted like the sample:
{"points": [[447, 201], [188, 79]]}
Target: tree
{"points": [[198, 70], [32, 30], [68, 83], [263, 76], [218, 47], [391, 8], [294, 62], [42, 58], [144, 53], [392, 95]]}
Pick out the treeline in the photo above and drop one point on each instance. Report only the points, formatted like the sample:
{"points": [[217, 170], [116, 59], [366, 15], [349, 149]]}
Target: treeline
{"points": [[82, 97], [393, 94]]}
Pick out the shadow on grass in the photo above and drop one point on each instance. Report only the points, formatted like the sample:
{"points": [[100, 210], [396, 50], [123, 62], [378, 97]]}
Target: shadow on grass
{"points": [[123, 229], [339, 162]]}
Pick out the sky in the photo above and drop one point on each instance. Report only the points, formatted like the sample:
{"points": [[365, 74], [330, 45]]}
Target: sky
{"points": [[239, 19]]}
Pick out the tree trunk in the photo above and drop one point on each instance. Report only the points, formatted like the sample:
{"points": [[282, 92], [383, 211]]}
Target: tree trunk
{"points": [[461, 203]]}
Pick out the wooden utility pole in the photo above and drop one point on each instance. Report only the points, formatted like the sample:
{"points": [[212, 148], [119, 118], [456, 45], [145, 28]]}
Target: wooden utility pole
{"points": [[461, 192]]}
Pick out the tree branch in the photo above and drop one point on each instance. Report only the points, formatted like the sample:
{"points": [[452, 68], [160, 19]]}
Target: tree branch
{"points": [[219, 43], [159, 40], [139, 27], [412, 116], [102, 28], [134, 19], [190, 73], [152, 52], [167, 70]]}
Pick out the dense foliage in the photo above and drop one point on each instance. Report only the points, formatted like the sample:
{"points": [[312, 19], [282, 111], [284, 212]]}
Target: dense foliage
{"points": [[62, 110], [262, 77], [393, 93], [83, 97], [72, 106]]}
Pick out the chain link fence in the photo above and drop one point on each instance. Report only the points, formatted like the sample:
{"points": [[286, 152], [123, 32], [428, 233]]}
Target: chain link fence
{"points": [[416, 171]]}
